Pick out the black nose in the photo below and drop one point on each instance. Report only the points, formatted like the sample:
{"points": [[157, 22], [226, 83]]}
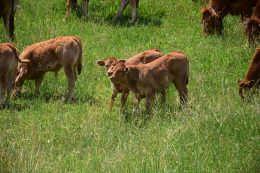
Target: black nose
{"points": [[109, 73]]}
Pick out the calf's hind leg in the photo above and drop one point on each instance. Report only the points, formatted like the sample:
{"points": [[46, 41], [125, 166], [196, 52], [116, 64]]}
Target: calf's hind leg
{"points": [[70, 73], [38, 83], [181, 86], [123, 5], [2, 92]]}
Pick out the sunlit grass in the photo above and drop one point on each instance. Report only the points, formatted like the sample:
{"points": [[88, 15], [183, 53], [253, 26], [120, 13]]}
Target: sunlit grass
{"points": [[217, 132]]}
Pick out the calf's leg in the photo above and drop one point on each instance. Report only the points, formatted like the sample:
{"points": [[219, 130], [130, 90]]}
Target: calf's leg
{"points": [[85, 8], [149, 101], [114, 95], [70, 73], [2, 91], [181, 86], [134, 6], [68, 7], [7, 26], [38, 83], [124, 99], [123, 5]]}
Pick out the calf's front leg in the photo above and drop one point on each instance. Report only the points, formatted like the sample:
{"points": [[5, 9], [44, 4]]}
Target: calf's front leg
{"points": [[124, 99], [113, 97]]}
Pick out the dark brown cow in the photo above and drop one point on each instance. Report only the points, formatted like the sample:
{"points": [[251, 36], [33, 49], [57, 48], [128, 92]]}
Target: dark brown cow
{"points": [[7, 11], [213, 15], [145, 80], [252, 75], [252, 26], [141, 58], [8, 65], [51, 55], [71, 4]]}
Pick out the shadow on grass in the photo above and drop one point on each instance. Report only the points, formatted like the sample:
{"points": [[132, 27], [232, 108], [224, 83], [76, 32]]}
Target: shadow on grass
{"points": [[163, 112], [50, 97], [124, 20]]}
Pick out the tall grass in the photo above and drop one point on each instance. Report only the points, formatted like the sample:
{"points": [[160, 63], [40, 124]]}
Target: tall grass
{"points": [[217, 132]]}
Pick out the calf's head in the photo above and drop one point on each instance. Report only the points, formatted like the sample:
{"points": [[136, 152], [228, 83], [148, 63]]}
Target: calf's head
{"points": [[119, 72], [109, 63], [210, 21], [245, 85]]}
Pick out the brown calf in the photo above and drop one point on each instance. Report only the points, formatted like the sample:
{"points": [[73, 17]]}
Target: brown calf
{"points": [[252, 26], [51, 55], [71, 4], [252, 75], [213, 15], [145, 80], [8, 65], [141, 58], [7, 11]]}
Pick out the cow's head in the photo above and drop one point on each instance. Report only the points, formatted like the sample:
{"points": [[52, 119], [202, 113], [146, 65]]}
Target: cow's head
{"points": [[245, 85], [21, 75], [119, 72], [109, 63], [210, 21], [252, 29]]}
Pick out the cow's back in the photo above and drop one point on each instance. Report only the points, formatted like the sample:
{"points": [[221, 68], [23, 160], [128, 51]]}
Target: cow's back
{"points": [[144, 57]]}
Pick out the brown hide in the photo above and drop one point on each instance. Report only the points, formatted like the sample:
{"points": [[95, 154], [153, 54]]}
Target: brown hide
{"points": [[213, 15], [72, 4], [51, 55], [7, 12], [252, 26], [8, 65], [145, 80], [109, 63], [252, 75]]}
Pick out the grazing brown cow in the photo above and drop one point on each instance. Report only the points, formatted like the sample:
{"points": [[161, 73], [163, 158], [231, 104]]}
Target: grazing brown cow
{"points": [[7, 11], [141, 58], [71, 4], [213, 15], [51, 55], [252, 75], [145, 80], [8, 65], [252, 26]]}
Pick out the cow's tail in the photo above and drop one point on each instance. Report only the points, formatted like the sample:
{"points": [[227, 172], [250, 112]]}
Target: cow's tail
{"points": [[79, 67]]}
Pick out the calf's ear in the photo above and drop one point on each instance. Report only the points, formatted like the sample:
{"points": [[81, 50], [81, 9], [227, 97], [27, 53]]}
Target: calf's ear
{"points": [[100, 62]]}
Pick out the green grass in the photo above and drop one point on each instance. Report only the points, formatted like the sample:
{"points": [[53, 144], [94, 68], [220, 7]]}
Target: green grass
{"points": [[216, 133]]}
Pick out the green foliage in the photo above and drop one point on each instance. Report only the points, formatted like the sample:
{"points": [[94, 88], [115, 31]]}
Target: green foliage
{"points": [[218, 132]]}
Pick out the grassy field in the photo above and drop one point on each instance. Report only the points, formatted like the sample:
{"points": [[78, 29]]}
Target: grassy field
{"points": [[217, 132]]}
